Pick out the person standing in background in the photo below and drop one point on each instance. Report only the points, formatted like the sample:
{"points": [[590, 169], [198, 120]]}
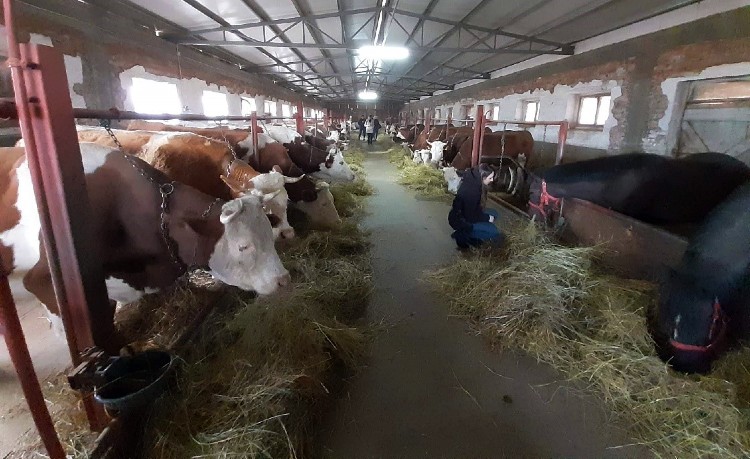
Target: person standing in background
{"points": [[369, 129], [376, 126], [361, 124]]}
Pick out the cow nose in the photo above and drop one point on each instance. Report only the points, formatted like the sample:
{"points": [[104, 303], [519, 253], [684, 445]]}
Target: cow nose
{"points": [[284, 280]]}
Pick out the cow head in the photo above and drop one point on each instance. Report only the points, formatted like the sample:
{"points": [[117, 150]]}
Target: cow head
{"points": [[335, 168], [244, 255], [452, 179], [259, 184], [321, 212], [693, 321]]}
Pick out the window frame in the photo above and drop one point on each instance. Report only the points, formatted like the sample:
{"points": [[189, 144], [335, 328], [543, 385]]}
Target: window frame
{"points": [[524, 107], [598, 97]]}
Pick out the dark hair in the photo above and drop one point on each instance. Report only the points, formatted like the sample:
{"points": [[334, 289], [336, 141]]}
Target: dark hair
{"points": [[485, 170]]}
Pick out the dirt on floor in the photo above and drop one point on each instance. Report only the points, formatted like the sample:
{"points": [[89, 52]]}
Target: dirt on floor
{"points": [[433, 388]]}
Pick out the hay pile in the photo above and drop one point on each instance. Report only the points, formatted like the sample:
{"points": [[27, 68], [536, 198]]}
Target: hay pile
{"points": [[428, 182], [399, 156], [552, 302], [252, 385]]}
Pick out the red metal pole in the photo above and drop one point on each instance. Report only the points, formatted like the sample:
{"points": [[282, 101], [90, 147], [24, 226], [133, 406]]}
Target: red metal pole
{"points": [[448, 121], [562, 137], [10, 326], [254, 132], [298, 117], [477, 136], [481, 123]]}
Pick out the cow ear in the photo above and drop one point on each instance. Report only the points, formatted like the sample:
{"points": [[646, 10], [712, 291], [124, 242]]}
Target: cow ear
{"points": [[230, 210], [276, 168], [235, 186]]}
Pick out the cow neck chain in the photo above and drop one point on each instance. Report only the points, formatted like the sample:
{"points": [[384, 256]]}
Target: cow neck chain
{"points": [[165, 191]]}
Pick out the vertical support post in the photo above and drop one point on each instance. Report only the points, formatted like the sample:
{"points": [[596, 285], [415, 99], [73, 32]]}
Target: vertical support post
{"points": [[562, 137], [427, 120], [477, 136], [254, 133], [10, 328], [315, 120], [481, 124], [60, 189], [299, 120], [448, 121]]}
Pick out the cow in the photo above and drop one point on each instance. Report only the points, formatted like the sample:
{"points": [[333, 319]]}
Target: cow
{"points": [[452, 179], [210, 167], [651, 188], [704, 303], [508, 144], [132, 141], [436, 153], [408, 134], [147, 231], [283, 134], [320, 143], [329, 166], [313, 199], [453, 145]]}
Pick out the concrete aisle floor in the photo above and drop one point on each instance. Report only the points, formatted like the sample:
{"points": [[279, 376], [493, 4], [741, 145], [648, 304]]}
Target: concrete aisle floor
{"points": [[433, 389]]}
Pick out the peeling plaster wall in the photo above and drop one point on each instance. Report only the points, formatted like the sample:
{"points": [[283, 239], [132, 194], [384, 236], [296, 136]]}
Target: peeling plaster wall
{"points": [[103, 53], [643, 75]]}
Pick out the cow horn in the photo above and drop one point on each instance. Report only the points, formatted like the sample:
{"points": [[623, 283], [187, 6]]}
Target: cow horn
{"points": [[293, 179], [428, 142], [321, 185], [266, 197]]}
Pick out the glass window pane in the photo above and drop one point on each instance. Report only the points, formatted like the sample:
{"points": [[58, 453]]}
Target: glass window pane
{"points": [[150, 96], [214, 103], [285, 110], [603, 114], [531, 110], [248, 106], [587, 114], [496, 113]]}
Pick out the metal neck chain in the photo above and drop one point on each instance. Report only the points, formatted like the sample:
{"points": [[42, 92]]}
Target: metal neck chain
{"points": [[165, 190]]}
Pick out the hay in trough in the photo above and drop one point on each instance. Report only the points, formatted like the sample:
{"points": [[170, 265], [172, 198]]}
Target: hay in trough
{"points": [[428, 182], [349, 197], [399, 156], [252, 383], [551, 301], [354, 155]]}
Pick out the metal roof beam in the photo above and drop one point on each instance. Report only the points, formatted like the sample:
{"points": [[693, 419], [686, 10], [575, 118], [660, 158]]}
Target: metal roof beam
{"points": [[274, 22], [438, 49]]}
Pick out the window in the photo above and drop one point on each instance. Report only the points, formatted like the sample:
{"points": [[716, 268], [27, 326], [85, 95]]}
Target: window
{"points": [[719, 94], [469, 109], [593, 110], [437, 113], [269, 108], [496, 112], [150, 96], [214, 104], [248, 106], [530, 111], [286, 112]]}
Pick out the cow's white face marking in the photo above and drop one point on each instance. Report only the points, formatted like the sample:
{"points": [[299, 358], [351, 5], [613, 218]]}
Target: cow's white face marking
{"points": [[400, 136], [451, 176], [338, 172], [322, 212], [24, 237], [120, 291], [245, 256], [334, 135], [436, 151], [270, 182]]}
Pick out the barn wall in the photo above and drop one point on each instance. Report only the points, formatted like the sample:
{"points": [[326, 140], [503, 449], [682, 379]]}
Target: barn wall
{"points": [[103, 52], [642, 74]]}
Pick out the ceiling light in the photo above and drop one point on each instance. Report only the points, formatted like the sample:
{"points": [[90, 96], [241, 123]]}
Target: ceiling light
{"points": [[368, 95], [383, 53]]}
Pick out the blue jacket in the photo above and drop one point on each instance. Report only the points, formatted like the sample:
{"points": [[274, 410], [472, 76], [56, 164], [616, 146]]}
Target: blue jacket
{"points": [[467, 205]]}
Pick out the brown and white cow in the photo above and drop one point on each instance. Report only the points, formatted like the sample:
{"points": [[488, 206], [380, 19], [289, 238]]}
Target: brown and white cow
{"points": [[231, 239], [516, 143]]}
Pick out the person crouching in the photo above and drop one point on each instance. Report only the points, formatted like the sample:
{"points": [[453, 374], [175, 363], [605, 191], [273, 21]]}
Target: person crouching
{"points": [[472, 224]]}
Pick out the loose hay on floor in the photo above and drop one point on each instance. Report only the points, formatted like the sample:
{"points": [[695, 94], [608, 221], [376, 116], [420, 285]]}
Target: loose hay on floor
{"points": [[551, 301], [427, 181], [252, 385]]}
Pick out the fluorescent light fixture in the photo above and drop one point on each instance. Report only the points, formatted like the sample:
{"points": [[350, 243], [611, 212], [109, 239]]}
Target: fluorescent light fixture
{"points": [[383, 53], [368, 95]]}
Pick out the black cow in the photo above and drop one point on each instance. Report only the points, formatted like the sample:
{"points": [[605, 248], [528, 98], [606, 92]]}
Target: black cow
{"points": [[651, 188], [704, 305]]}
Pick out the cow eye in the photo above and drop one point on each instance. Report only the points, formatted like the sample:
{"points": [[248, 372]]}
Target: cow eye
{"points": [[242, 248]]}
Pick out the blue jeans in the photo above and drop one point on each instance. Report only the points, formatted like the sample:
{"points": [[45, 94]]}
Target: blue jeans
{"points": [[480, 232]]}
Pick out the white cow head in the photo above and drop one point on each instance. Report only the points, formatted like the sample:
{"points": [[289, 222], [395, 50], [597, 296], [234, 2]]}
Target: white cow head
{"points": [[245, 256], [322, 212], [451, 176], [334, 135], [335, 170], [436, 151], [426, 155]]}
